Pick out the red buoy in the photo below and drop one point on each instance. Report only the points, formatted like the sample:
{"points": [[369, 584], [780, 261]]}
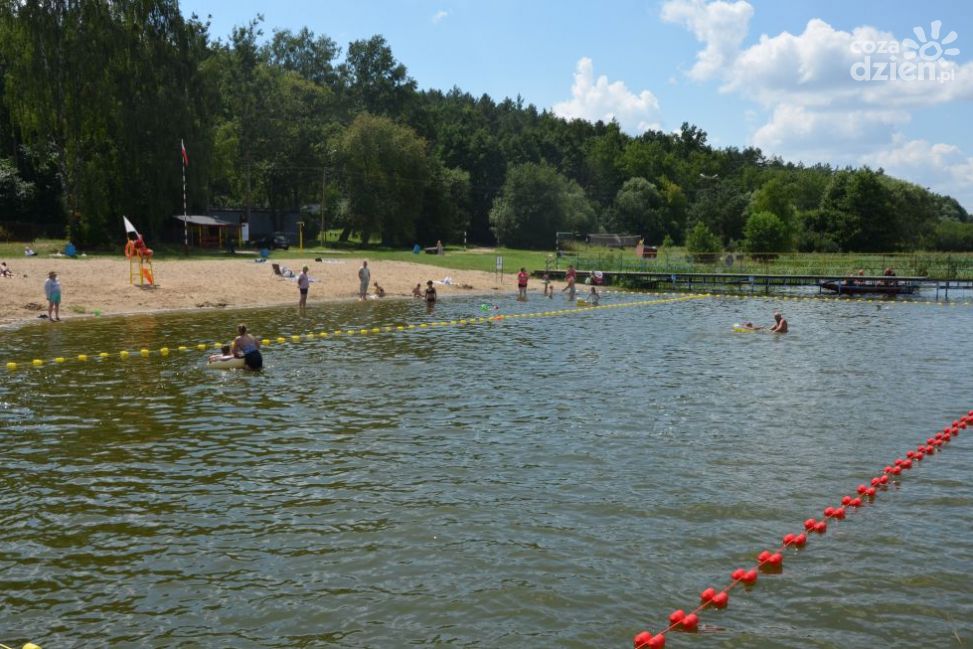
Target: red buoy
{"points": [[910, 454], [707, 595], [776, 559], [749, 577], [887, 469], [720, 600], [676, 616], [871, 492], [862, 488], [846, 500], [875, 482], [800, 540], [884, 479], [737, 574], [821, 527], [828, 512], [690, 622], [856, 502], [809, 524], [657, 641], [788, 539], [763, 556], [642, 639], [839, 512], [907, 464]]}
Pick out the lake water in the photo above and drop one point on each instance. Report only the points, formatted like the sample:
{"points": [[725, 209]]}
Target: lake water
{"points": [[560, 481]]}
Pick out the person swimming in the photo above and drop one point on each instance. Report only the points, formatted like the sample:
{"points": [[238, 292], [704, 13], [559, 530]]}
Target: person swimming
{"points": [[780, 324], [224, 355]]}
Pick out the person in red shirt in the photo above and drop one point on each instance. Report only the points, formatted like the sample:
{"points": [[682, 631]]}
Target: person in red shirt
{"points": [[522, 284]]}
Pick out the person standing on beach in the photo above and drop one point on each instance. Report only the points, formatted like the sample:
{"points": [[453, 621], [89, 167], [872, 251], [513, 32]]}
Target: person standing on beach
{"points": [[52, 290], [439, 248], [364, 279], [303, 283], [522, 284]]}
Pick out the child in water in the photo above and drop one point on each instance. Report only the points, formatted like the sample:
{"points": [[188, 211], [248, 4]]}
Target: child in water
{"points": [[593, 297], [225, 355]]}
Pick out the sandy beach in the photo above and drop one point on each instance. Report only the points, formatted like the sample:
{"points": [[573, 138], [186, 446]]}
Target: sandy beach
{"points": [[100, 285]]}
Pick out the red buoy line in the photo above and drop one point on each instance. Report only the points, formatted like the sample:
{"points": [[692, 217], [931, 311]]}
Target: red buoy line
{"points": [[772, 561]]}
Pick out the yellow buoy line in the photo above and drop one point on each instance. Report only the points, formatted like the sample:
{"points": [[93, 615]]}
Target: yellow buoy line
{"points": [[297, 338]]}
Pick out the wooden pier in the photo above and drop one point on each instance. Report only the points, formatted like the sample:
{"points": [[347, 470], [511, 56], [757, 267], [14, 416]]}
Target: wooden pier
{"points": [[754, 283]]}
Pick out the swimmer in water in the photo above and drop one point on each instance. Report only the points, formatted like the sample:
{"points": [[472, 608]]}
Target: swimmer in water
{"points": [[780, 324]]}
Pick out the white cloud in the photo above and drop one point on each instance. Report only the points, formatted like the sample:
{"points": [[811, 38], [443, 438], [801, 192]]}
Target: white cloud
{"points": [[438, 16], [721, 25], [818, 134], [824, 66], [831, 95], [942, 167], [597, 99]]}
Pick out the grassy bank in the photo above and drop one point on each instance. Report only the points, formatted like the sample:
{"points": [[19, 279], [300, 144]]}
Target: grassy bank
{"points": [[673, 260]]}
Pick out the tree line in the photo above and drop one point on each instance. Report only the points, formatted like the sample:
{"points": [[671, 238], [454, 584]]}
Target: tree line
{"points": [[96, 96]]}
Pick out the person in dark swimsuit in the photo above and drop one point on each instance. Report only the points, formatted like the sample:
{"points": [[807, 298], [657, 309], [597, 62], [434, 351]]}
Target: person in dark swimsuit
{"points": [[430, 293], [248, 347]]}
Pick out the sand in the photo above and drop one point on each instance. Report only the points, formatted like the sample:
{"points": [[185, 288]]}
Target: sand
{"points": [[100, 285]]}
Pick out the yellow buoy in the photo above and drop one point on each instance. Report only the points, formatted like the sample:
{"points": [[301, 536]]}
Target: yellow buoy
{"points": [[400, 328], [201, 347], [164, 351], [296, 339], [336, 332], [281, 340], [144, 352], [123, 354], [103, 355], [363, 331], [376, 330], [11, 366], [38, 362], [309, 337], [350, 332], [31, 645], [183, 348], [59, 359], [323, 334]]}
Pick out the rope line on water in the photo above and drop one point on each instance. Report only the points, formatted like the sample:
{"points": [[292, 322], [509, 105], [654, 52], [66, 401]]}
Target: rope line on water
{"points": [[773, 561], [296, 338]]}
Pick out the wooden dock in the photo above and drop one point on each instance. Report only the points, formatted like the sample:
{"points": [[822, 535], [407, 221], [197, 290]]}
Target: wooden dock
{"points": [[752, 283]]}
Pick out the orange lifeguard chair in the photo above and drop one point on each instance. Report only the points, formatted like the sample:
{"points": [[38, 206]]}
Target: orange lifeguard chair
{"points": [[139, 255]]}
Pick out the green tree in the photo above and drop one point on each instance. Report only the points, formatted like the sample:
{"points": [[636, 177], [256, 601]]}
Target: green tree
{"points": [[641, 209], [536, 202], [386, 172], [765, 232], [701, 240]]}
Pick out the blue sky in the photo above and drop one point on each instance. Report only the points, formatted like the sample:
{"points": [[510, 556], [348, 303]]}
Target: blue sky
{"points": [[749, 72]]}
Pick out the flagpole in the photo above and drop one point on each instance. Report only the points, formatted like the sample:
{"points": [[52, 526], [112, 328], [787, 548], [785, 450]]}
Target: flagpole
{"points": [[185, 213]]}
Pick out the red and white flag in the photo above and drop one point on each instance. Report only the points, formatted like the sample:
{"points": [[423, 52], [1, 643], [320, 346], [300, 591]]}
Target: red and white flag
{"points": [[185, 156]]}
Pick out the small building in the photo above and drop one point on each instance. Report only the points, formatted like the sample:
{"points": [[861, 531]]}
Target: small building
{"points": [[211, 232]]}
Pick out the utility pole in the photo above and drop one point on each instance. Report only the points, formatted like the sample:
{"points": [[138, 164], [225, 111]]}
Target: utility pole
{"points": [[324, 191]]}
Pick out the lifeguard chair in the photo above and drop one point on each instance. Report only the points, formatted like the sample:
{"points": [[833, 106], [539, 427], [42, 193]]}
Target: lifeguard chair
{"points": [[139, 257]]}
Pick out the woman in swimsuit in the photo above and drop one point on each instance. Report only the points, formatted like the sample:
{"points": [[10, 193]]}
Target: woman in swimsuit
{"points": [[248, 347], [430, 293]]}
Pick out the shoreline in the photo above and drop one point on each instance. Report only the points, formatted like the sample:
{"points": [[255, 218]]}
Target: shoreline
{"points": [[95, 287]]}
